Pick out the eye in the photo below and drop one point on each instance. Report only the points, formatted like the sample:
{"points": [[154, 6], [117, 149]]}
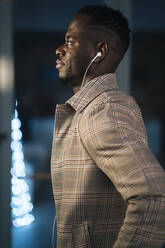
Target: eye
{"points": [[68, 43]]}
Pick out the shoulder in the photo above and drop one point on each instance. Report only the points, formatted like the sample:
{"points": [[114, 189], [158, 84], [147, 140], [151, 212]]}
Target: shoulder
{"points": [[115, 113], [115, 101]]}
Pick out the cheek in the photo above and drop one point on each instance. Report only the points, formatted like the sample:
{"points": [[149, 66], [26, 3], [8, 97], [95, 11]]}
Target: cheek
{"points": [[81, 59], [73, 61], [77, 60]]}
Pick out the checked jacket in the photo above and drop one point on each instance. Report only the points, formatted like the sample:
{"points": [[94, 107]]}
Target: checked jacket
{"points": [[109, 188]]}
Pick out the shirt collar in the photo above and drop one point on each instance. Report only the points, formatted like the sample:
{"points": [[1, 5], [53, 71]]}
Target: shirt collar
{"points": [[91, 90]]}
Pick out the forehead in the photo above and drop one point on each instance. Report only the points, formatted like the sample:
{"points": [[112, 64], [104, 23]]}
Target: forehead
{"points": [[78, 25]]}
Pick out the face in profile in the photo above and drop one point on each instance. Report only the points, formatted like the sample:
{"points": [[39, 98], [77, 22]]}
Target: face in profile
{"points": [[74, 56]]}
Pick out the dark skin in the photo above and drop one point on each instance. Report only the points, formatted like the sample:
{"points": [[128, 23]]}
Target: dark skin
{"points": [[82, 43]]}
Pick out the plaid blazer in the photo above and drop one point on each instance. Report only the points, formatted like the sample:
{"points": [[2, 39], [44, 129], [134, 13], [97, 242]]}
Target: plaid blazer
{"points": [[109, 189]]}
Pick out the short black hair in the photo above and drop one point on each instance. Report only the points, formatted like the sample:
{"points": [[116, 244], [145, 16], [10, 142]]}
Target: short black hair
{"points": [[112, 19]]}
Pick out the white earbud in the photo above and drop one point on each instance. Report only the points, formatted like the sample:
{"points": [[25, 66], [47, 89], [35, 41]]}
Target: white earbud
{"points": [[99, 54]]}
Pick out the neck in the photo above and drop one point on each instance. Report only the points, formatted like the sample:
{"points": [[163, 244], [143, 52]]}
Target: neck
{"points": [[86, 80], [76, 89], [89, 78]]}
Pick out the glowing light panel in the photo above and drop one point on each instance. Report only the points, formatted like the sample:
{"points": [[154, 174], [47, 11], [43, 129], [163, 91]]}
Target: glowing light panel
{"points": [[21, 200]]}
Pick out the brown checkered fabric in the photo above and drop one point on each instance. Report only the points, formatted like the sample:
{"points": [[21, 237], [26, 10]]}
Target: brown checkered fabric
{"points": [[109, 189]]}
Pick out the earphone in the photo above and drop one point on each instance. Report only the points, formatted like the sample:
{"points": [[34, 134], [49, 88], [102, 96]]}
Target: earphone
{"points": [[99, 54]]}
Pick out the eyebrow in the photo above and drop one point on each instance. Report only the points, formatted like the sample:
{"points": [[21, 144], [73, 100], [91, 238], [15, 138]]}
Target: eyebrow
{"points": [[67, 37]]}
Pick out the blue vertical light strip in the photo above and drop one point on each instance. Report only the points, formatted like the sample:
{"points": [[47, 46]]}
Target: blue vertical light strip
{"points": [[21, 200]]}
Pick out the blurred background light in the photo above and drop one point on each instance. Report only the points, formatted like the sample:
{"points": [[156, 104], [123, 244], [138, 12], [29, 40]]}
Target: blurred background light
{"points": [[15, 124], [16, 146], [26, 220], [21, 200], [16, 135]]}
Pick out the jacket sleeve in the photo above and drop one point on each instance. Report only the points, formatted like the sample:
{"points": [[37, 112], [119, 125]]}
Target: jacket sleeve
{"points": [[114, 136]]}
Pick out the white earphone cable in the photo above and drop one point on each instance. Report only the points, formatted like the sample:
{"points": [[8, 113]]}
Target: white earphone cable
{"points": [[83, 81]]}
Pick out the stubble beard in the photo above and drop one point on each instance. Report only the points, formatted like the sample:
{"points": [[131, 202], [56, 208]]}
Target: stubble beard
{"points": [[70, 80], [73, 74]]}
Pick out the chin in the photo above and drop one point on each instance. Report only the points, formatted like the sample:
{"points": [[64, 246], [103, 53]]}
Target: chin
{"points": [[65, 80]]}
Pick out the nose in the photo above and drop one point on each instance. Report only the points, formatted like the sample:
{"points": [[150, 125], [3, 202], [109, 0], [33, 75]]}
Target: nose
{"points": [[60, 52]]}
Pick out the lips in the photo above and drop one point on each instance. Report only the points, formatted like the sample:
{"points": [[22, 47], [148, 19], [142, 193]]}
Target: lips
{"points": [[59, 64]]}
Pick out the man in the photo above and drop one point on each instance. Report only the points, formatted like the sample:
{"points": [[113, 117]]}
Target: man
{"points": [[108, 187]]}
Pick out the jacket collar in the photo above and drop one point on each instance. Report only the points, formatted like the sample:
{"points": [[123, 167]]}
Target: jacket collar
{"points": [[91, 90]]}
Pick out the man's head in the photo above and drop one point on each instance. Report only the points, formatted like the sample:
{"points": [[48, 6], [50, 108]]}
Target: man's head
{"points": [[95, 28]]}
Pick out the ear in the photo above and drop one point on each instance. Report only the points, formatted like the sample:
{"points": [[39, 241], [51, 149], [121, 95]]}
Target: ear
{"points": [[103, 48]]}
